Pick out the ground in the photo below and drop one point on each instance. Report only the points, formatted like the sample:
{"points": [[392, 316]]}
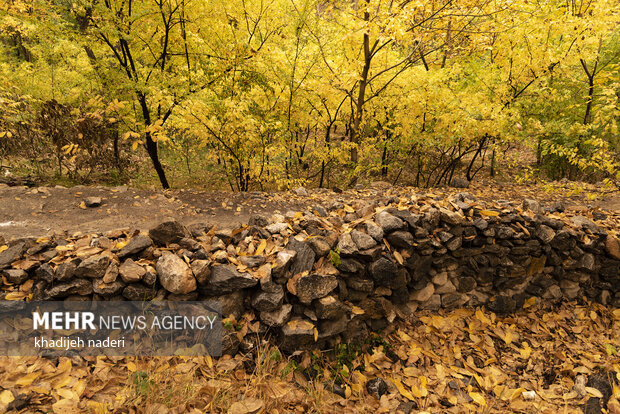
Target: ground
{"points": [[464, 360], [40, 211]]}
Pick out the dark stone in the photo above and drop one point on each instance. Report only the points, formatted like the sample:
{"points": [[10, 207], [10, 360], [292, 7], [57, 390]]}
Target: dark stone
{"points": [[328, 307], [502, 305], [277, 317], [363, 240], [136, 244], [401, 239], [139, 292], [377, 387], [107, 289], [12, 254], [480, 223], [388, 222], [304, 260], [258, 221], [331, 327], [226, 279], [319, 245], [93, 266], [466, 284], [252, 261], [45, 273], [268, 301], [81, 287], [15, 276], [65, 271], [383, 271], [314, 286], [349, 265], [357, 283], [169, 231], [297, 334], [412, 219]]}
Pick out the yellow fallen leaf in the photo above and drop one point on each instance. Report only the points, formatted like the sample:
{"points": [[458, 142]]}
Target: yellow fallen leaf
{"points": [[6, 397], [594, 392], [530, 302], [261, 247], [489, 213], [27, 379], [3, 248], [247, 406], [68, 394], [82, 205], [316, 334], [349, 209], [403, 391], [120, 245], [131, 366], [357, 311], [398, 257], [15, 295], [478, 398]]}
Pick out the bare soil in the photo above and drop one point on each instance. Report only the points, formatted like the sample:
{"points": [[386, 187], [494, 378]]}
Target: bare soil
{"points": [[43, 211]]}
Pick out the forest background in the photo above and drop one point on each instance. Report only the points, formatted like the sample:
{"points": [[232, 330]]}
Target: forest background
{"points": [[260, 95]]}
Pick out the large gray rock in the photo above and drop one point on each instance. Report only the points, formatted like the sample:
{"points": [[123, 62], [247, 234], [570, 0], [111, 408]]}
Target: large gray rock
{"points": [[612, 246], [174, 274], [284, 260], [383, 271], [423, 294], [139, 292], [304, 260], [545, 233], [81, 287], [319, 245], [136, 245], [268, 301], [252, 261], [93, 266], [296, 334], [363, 240], [169, 231], [276, 228], [346, 245], [277, 317], [202, 271], [45, 273], [532, 205], [111, 273], [584, 223], [328, 308], [12, 254], [401, 239], [131, 272], [388, 222], [314, 286], [15, 276], [374, 231], [107, 289], [226, 279]]}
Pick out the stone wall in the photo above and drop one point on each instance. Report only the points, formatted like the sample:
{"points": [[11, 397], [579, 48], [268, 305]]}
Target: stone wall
{"points": [[333, 273]]}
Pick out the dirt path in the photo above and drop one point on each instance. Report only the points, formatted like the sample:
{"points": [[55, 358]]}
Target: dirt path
{"points": [[44, 210]]}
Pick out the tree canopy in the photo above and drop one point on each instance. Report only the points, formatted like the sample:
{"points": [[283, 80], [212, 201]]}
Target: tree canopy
{"points": [[287, 92]]}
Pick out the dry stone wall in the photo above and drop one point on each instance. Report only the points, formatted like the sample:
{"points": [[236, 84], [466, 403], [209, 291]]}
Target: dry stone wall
{"points": [[312, 278]]}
